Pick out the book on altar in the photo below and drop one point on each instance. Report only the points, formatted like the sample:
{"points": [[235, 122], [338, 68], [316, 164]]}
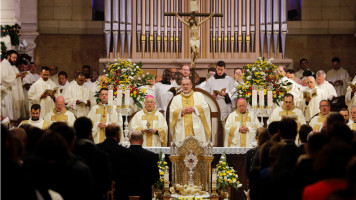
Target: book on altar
{"points": [[311, 93], [50, 92], [219, 91], [295, 117], [352, 85]]}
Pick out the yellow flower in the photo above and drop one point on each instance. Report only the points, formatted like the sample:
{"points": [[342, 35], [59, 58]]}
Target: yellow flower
{"points": [[161, 173]]}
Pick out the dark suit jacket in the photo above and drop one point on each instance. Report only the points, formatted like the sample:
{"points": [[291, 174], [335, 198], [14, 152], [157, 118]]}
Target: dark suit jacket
{"points": [[144, 172], [98, 162], [120, 158]]}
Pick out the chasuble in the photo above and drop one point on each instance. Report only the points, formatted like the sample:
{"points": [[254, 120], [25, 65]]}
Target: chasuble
{"points": [[64, 116]]}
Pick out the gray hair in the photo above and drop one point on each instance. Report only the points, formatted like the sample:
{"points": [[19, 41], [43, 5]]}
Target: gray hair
{"points": [[321, 73]]}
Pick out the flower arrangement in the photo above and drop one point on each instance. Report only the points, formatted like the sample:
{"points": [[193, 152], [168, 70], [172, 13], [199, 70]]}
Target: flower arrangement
{"points": [[13, 31], [261, 73], [3, 50], [161, 167], [226, 176], [127, 74], [188, 198]]}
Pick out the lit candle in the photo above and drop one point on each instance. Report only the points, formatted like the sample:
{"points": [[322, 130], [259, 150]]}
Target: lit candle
{"points": [[254, 96], [269, 98], [127, 95], [261, 97], [119, 96], [110, 95], [214, 179]]}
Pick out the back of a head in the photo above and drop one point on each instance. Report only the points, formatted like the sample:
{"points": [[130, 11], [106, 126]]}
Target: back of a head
{"points": [[288, 129], [273, 127], [331, 161], [136, 136], [19, 133], [340, 131], [263, 136], [334, 118], [63, 129], [112, 131], [304, 130], [33, 136], [316, 142], [83, 126]]}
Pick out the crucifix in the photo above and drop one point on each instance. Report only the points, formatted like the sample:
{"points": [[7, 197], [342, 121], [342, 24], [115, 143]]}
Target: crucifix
{"points": [[194, 26]]}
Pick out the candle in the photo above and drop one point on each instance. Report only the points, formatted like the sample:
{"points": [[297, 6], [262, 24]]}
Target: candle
{"points": [[254, 97], [261, 97], [119, 96], [269, 98], [110, 97], [127, 95], [214, 179]]}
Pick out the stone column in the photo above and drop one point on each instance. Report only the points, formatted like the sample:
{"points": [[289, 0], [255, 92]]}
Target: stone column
{"points": [[29, 22]]}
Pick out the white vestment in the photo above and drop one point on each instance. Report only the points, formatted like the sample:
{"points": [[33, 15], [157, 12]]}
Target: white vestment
{"points": [[197, 123], [335, 75], [105, 114], [13, 85], [163, 96], [233, 137], [29, 79], [76, 92], [280, 112], [35, 92], [317, 122], [54, 78], [352, 125], [154, 120], [293, 89], [64, 116], [61, 89], [299, 74], [350, 99], [313, 107], [328, 89], [40, 123], [219, 84]]}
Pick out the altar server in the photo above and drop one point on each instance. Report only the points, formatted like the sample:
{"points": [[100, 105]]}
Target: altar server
{"points": [[310, 104], [35, 119], [317, 121], [60, 113], [240, 127], [42, 92], [78, 97], [151, 123], [189, 114], [323, 84], [102, 115]]}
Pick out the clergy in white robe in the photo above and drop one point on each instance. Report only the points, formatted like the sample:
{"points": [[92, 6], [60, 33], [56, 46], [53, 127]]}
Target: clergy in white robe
{"points": [[304, 66], [323, 84], [38, 92], [102, 115], [62, 82], [151, 123], [60, 113], [35, 119], [310, 104], [287, 110], [189, 114], [294, 88], [78, 97], [220, 86], [241, 126], [350, 97], [54, 73], [317, 121], [352, 121], [338, 77]]}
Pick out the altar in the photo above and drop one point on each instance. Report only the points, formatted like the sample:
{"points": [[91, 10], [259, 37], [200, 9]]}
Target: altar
{"points": [[235, 158]]}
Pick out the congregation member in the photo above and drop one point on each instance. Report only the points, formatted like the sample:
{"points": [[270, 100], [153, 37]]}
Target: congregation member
{"points": [[62, 82], [102, 115], [352, 121], [219, 87], [12, 100], [287, 110], [151, 123], [142, 178], [54, 73], [345, 113], [35, 119], [304, 66], [189, 114], [241, 126], [78, 98], [119, 157], [316, 122], [42, 92], [310, 104], [323, 84], [60, 113], [350, 97], [338, 77]]}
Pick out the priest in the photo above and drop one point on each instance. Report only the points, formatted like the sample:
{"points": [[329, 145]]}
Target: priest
{"points": [[241, 126], [60, 113], [220, 86], [189, 114], [151, 123], [287, 110], [35, 119], [323, 84], [43, 92], [338, 77], [293, 87], [352, 121], [78, 97], [310, 98], [102, 115], [350, 97], [317, 121]]}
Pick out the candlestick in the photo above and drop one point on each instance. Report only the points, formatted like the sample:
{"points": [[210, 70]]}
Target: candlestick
{"points": [[127, 95], [262, 97], [119, 96], [254, 97]]}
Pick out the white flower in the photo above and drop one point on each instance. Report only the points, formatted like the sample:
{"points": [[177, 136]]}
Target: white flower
{"points": [[234, 181], [104, 70], [129, 60], [115, 60], [248, 78], [253, 68], [239, 185]]}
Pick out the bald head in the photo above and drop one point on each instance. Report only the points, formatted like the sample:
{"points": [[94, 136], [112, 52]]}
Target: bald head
{"points": [[59, 104], [241, 105], [311, 82], [136, 137]]}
